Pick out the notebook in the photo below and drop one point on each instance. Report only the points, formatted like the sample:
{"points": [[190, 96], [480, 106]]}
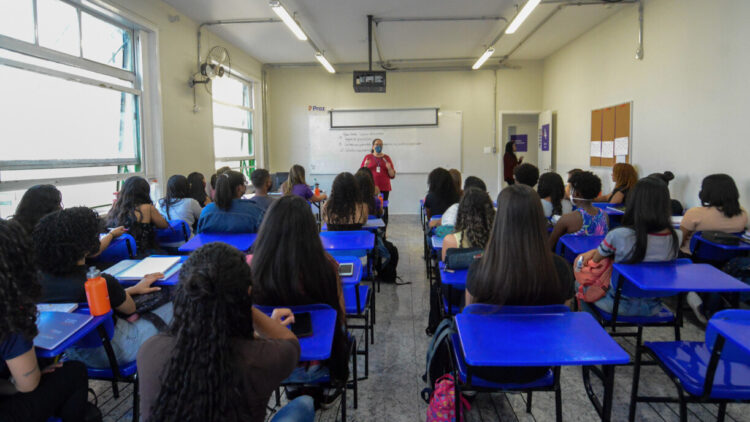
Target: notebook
{"points": [[148, 266], [56, 307], [56, 327], [676, 220]]}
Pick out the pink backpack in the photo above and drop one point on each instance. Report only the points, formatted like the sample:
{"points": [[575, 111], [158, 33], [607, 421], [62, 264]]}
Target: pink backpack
{"points": [[593, 279], [442, 406]]}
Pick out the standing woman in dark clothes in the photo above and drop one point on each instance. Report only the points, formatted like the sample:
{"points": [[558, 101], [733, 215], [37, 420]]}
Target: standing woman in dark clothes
{"points": [[510, 161]]}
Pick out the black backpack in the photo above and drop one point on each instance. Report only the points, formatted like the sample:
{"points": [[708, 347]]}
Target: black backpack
{"points": [[387, 268], [438, 359]]}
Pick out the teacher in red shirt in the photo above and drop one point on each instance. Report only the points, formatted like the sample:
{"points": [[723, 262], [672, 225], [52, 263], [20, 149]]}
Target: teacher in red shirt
{"points": [[382, 170]]}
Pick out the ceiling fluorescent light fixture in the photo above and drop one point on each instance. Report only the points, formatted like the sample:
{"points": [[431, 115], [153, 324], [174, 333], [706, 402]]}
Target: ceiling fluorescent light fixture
{"points": [[483, 59], [279, 9], [321, 58], [522, 15]]}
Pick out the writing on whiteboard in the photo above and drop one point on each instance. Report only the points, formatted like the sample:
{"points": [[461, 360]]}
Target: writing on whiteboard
{"points": [[361, 141]]}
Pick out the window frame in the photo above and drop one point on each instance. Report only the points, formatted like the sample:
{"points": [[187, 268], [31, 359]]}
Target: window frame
{"points": [[144, 78]]}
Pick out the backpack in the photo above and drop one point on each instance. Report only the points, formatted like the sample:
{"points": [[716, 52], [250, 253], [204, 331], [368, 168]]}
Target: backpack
{"points": [[462, 258], [721, 238], [440, 390], [593, 279], [386, 265]]}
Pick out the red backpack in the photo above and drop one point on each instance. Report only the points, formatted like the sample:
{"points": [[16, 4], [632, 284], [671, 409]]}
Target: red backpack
{"points": [[442, 406], [593, 279]]}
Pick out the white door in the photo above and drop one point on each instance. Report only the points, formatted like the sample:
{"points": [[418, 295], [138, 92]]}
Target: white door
{"points": [[545, 142]]}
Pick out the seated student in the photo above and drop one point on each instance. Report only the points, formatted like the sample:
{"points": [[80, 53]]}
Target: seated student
{"points": [[667, 177], [345, 209], [197, 188], [456, 176], [178, 205], [135, 211], [34, 394], [625, 177], [567, 185], [451, 214], [229, 213], [36, 202], [296, 185], [368, 192], [212, 190], [210, 365], [646, 235], [473, 223], [527, 174], [62, 240], [586, 220], [551, 189], [441, 192], [518, 269], [290, 267], [262, 183]]}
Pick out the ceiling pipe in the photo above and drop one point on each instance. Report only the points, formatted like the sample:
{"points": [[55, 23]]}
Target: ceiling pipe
{"points": [[533, 31], [639, 51], [228, 22], [442, 19]]}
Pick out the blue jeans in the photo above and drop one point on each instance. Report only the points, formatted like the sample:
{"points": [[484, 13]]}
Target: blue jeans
{"points": [[301, 409], [629, 306], [304, 375], [126, 340]]}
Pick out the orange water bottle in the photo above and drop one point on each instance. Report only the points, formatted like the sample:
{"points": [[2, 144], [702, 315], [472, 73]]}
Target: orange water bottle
{"points": [[317, 188], [97, 294]]}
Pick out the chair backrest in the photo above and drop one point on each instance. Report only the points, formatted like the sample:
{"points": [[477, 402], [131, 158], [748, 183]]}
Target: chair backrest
{"points": [[177, 231], [121, 248], [704, 251], [730, 352], [299, 308], [92, 339], [603, 205], [485, 309]]}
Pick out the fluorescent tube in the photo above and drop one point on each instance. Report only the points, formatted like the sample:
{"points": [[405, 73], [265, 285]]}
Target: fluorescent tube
{"points": [[324, 62], [279, 9], [483, 59], [522, 15]]}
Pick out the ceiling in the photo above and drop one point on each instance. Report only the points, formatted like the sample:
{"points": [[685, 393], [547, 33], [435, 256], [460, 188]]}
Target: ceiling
{"points": [[339, 28]]}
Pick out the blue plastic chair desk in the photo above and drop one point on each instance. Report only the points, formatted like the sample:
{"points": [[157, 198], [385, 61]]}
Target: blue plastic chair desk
{"points": [[742, 247], [437, 243], [356, 276], [371, 224], [736, 332], [614, 211], [348, 240], [48, 318], [172, 280], [677, 277], [456, 279], [241, 241], [570, 246], [385, 203], [318, 345]]}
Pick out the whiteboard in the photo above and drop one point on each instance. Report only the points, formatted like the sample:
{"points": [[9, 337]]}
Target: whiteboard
{"points": [[384, 118], [412, 149]]}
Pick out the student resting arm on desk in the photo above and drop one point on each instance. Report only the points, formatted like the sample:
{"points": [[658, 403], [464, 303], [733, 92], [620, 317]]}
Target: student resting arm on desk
{"points": [[136, 212], [625, 177], [587, 220], [296, 185]]}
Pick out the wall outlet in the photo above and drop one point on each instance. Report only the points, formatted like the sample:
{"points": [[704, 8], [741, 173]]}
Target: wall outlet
{"points": [[489, 150]]}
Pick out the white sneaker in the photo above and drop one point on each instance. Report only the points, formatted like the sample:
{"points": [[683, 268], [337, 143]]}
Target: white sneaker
{"points": [[696, 304]]}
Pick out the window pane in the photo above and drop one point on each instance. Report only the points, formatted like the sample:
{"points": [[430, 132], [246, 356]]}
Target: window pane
{"points": [[232, 117], [58, 26], [11, 175], [106, 43], [59, 119], [89, 195], [230, 91], [64, 68], [17, 19], [231, 143]]}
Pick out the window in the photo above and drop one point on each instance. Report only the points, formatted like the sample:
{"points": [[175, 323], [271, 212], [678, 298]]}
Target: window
{"points": [[233, 111], [73, 89]]}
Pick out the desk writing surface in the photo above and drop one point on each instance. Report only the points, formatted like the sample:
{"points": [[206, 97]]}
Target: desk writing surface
{"points": [[454, 278], [679, 276], [348, 240], [241, 241], [735, 331]]}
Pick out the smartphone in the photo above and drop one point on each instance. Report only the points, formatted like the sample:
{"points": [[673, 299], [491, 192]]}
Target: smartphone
{"points": [[346, 269], [302, 326]]}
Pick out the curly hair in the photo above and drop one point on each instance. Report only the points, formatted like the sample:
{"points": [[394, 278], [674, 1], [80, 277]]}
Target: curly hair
{"points": [[440, 183], [475, 217], [342, 204], [366, 188], [586, 185], [212, 306], [37, 202], [64, 237], [551, 185], [19, 287], [133, 193], [526, 174]]}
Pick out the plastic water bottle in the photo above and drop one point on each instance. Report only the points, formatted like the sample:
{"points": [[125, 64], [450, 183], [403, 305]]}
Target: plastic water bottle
{"points": [[97, 294]]}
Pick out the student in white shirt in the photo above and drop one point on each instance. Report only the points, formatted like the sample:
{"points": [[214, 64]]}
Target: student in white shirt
{"points": [[178, 205]]}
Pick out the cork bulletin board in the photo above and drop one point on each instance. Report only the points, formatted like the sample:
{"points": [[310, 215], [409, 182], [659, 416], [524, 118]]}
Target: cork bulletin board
{"points": [[610, 135]]}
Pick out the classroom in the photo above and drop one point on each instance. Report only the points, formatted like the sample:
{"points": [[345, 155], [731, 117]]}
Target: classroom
{"points": [[418, 210]]}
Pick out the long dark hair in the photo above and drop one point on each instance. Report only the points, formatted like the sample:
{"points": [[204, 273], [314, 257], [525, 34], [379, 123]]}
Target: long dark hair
{"points": [[226, 188], [212, 307], [720, 191], [197, 187], [342, 204], [509, 148], [291, 268], [19, 287], [134, 193], [551, 184], [37, 201], [648, 210], [366, 188], [475, 217], [518, 267], [440, 183], [177, 189]]}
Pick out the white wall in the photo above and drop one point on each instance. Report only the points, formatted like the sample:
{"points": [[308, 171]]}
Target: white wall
{"points": [[188, 136], [292, 90], [690, 93]]}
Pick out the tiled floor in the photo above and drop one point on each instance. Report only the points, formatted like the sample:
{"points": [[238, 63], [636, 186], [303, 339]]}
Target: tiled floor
{"points": [[397, 361]]}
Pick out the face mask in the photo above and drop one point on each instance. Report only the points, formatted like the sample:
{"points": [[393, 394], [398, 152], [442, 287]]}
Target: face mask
{"points": [[378, 149]]}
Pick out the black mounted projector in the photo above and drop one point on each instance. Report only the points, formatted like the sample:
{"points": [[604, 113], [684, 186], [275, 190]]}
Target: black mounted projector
{"points": [[369, 81]]}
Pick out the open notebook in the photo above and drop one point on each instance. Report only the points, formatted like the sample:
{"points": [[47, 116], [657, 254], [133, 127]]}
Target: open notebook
{"points": [[136, 270]]}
